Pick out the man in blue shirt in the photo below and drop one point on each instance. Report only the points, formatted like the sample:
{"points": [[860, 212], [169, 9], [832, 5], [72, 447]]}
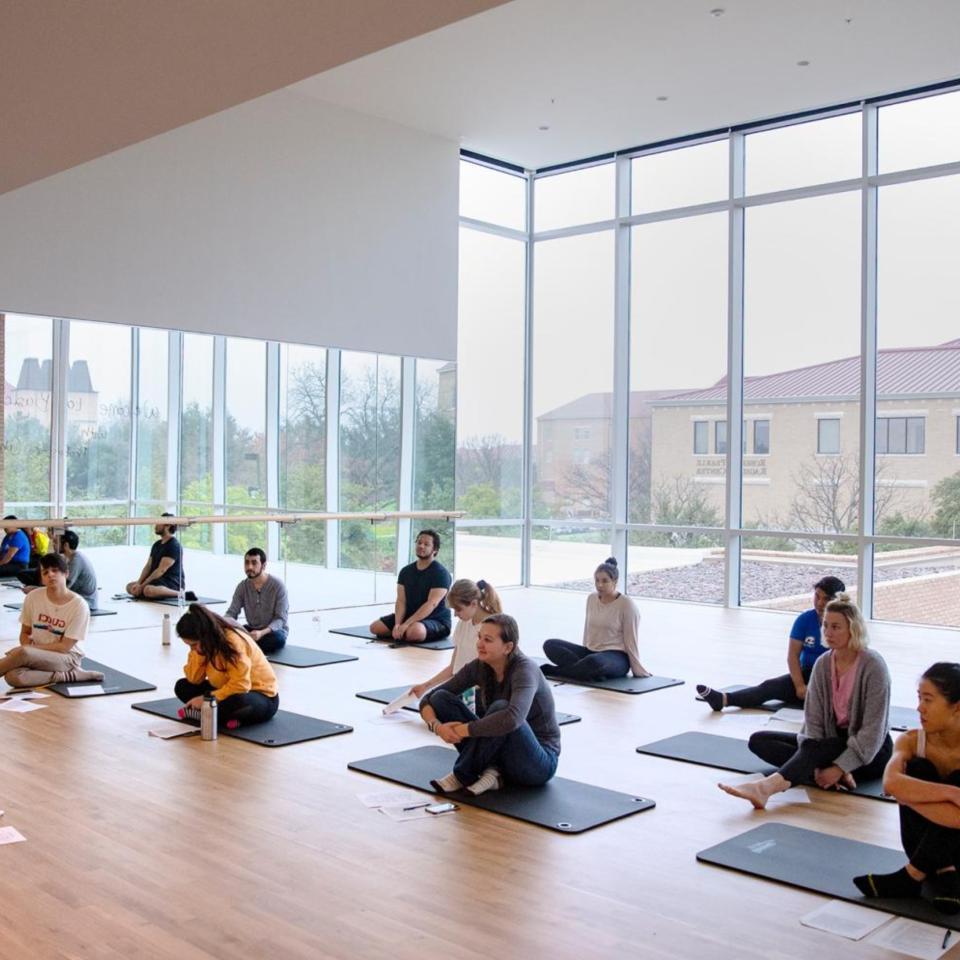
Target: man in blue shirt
{"points": [[14, 550], [805, 646]]}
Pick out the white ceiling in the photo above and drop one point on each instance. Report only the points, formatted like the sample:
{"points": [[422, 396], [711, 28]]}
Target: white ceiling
{"points": [[592, 69]]}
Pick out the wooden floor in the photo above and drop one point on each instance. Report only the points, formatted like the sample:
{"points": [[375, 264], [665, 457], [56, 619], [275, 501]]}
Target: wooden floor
{"points": [[138, 847]]}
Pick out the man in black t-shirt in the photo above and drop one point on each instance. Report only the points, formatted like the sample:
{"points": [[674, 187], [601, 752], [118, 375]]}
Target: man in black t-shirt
{"points": [[420, 612], [162, 575]]}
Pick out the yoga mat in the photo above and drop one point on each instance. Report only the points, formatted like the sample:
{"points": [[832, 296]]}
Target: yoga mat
{"points": [[624, 684], [113, 682], [821, 863], [291, 656], [283, 729], [390, 694], [93, 613], [444, 643], [901, 718], [169, 601], [729, 753], [562, 805]]}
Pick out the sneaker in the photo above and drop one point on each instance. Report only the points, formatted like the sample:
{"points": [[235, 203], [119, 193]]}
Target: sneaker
{"points": [[488, 780]]}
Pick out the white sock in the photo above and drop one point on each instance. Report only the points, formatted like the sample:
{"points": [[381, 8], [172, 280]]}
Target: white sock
{"points": [[488, 780], [448, 784]]}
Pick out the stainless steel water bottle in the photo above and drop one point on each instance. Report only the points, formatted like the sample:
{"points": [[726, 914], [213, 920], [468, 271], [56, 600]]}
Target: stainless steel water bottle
{"points": [[208, 718], [165, 631]]}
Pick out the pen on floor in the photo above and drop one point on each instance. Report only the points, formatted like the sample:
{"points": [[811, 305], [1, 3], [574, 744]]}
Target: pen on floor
{"points": [[416, 806], [946, 940]]}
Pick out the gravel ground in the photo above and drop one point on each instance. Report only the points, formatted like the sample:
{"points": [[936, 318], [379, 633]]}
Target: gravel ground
{"points": [[759, 581]]}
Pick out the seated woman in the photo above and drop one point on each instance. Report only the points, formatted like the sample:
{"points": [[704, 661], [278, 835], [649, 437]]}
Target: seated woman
{"points": [[225, 661], [924, 776], [470, 603], [610, 631], [804, 648], [513, 736], [53, 624], [845, 717]]}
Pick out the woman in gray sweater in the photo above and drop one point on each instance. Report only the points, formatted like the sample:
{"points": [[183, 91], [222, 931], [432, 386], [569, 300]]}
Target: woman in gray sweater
{"points": [[845, 722], [514, 735]]}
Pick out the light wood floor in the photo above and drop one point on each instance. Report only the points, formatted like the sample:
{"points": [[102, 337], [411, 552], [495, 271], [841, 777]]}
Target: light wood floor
{"points": [[142, 848]]}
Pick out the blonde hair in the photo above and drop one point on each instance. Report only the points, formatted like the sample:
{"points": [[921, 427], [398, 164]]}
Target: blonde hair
{"points": [[465, 592], [843, 605]]}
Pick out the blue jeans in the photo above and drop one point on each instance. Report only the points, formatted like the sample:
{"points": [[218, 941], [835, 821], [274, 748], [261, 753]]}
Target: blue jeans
{"points": [[273, 641], [519, 755], [576, 662]]}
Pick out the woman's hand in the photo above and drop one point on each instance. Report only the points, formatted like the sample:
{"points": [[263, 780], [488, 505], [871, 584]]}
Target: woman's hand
{"points": [[195, 704], [447, 732], [829, 777]]}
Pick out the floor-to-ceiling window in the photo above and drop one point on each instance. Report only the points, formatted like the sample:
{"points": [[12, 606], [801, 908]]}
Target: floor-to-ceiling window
{"points": [[197, 436]]}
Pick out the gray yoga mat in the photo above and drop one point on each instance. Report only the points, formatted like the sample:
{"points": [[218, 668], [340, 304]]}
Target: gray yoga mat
{"points": [[624, 684], [292, 656], [821, 863], [562, 805], [93, 613], [901, 718], [390, 694], [729, 753], [362, 633], [113, 682], [170, 601], [281, 730]]}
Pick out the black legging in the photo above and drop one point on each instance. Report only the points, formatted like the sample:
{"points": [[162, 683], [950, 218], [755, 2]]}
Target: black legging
{"points": [[777, 688], [797, 762], [245, 708], [928, 846], [576, 662]]}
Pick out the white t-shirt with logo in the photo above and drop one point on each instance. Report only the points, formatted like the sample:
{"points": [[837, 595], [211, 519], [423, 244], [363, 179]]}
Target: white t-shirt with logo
{"points": [[50, 622]]}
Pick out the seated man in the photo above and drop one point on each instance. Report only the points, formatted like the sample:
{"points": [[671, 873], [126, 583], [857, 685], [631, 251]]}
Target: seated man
{"points": [[53, 623], [14, 550], [263, 599], [162, 575], [81, 578], [420, 612]]}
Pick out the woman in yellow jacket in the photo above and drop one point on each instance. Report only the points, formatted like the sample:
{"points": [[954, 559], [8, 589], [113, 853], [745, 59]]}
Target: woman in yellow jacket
{"points": [[225, 661]]}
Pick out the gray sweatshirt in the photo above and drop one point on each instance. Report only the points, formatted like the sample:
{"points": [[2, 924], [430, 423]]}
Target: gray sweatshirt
{"points": [[869, 709], [525, 690], [82, 580], [266, 608]]}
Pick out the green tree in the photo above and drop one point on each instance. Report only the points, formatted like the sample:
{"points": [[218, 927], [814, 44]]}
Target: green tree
{"points": [[946, 507]]}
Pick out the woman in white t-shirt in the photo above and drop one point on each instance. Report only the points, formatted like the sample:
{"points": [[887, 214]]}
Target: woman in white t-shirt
{"points": [[610, 630], [470, 603], [53, 624]]}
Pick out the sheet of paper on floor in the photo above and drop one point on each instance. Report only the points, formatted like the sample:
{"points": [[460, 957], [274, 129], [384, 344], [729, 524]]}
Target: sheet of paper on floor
{"points": [[24, 694], [915, 939], [11, 835], [19, 705], [171, 729], [390, 798], [400, 815], [848, 920], [404, 716]]}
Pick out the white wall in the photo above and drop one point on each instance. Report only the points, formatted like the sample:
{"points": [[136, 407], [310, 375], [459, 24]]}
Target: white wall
{"points": [[285, 218]]}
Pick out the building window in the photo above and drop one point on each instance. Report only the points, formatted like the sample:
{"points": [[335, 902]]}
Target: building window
{"points": [[828, 436], [901, 435], [720, 437], [581, 433], [761, 436], [701, 437]]}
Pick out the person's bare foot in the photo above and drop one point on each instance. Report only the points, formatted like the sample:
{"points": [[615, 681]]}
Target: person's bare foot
{"points": [[758, 792]]}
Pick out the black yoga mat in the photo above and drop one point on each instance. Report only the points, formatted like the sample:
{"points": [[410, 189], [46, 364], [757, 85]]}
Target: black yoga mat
{"points": [[113, 682], [291, 656], [729, 753], [624, 684], [93, 613], [283, 729], [901, 718], [562, 805], [444, 643], [821, 863], [169, 601], [390, 694]]}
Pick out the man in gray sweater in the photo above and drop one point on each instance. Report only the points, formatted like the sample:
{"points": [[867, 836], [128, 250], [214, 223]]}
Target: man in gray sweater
{"points": [[263, 599]]}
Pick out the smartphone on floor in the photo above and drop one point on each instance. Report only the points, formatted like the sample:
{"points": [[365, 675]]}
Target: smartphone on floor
{"points": [[442, 807]]}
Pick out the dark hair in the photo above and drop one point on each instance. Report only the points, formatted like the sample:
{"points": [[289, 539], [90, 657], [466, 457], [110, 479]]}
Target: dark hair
{"points": [[433, 536], [10, 516], [831, 586], [610, 568], [50, 561], [256, 552], [172, 527], [70, 538], [509, 633], [210, 631], [946, 678]]}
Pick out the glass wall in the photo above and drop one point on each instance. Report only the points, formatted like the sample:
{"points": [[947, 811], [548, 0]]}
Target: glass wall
{"points": [[150, 413], [196, 437]]}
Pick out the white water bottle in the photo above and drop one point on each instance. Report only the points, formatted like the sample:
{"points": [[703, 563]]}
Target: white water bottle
{"points": [[165, 630]]}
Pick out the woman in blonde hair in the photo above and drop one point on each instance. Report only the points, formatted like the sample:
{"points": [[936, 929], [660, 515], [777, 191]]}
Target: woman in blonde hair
{"points": [[845, 717], [470, 603]]}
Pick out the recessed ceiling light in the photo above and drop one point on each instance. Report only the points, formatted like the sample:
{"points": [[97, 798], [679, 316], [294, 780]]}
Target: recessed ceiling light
{"points": [[717, 12], [803, 63], [663, 99], [544, 126]]}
